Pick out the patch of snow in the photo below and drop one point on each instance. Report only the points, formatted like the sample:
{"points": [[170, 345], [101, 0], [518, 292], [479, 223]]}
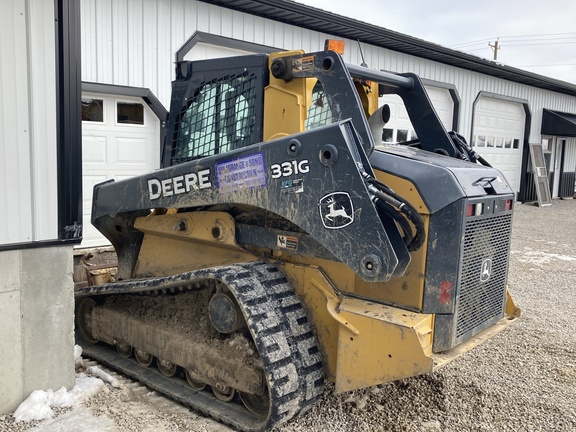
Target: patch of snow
{"points": [[104, 376], [81, 419], [38, 406]]}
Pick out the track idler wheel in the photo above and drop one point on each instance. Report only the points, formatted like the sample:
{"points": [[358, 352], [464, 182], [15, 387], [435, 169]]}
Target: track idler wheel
{"points": [[225, 314]]}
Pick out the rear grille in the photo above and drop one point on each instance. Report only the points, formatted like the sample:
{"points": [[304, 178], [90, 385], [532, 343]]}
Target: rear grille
{"points": [[481, 298]]}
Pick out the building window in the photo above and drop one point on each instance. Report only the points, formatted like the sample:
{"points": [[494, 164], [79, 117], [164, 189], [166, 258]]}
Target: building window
{"points": [[387, 135], [93, 110], [402, 135], [130, 113]]}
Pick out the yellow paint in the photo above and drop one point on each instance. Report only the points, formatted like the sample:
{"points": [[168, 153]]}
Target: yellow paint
{"points": [[285, 103], [363, 343], [392, 344], [511, 308], [180, 242]]}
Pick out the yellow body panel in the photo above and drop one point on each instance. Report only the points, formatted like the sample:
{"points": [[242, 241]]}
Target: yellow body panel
{"points": [[363, 343], [286, 103], [391, 344], [170, 238]]}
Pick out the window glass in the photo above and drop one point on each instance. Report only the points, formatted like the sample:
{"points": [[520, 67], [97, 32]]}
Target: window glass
{"points": [[490, 141], [387, 135], [499, 142], [319, 113], [92, 110], [402, 135], [481, 141], [508, 143], [516, 143], [130, 113], [220, 117]]}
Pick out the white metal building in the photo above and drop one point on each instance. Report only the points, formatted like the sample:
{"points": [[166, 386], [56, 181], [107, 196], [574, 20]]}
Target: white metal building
{"points": [[497, 108], [40, 219]]}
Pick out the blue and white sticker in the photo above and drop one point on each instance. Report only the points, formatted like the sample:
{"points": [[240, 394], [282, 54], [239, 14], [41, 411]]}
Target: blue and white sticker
{"points": [[243, 173]]}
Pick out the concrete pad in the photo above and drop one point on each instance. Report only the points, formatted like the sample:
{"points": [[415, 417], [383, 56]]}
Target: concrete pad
{"points": [[11, 381]]}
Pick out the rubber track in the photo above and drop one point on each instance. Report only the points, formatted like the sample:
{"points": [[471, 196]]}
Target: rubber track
{"points": [[278, 324]]}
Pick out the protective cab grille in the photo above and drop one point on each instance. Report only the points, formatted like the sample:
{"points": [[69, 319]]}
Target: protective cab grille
{"points": [[482, 292], [220, 117]]}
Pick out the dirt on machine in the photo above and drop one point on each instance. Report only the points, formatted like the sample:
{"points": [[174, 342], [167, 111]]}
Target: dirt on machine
{"points": [[283, 244]]}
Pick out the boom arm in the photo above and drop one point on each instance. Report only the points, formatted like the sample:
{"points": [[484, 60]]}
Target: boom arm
{"points": [[316, 180]]}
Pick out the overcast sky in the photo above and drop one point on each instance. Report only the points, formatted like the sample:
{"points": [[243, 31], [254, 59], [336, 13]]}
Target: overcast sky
{"points": [[535, 35]]}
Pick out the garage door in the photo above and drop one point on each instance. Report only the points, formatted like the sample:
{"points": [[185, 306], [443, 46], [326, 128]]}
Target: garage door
{"points": [[120, 139], [399, 128], [499, 134]]}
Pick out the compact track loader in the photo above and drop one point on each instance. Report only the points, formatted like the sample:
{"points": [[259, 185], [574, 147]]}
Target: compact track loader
{"points": [[282, 244]]}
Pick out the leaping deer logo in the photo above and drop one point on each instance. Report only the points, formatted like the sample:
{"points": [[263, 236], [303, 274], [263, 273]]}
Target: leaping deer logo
{"points": [[486, 270], [336, 210]]}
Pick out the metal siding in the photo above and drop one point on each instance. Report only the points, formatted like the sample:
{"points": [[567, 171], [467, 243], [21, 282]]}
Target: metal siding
{"points": [[570, 155], [42, 57], [28, 123], [15, 191], [135, 43], [150, 48]]}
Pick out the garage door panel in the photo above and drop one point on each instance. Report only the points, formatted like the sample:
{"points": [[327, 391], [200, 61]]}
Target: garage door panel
{"points": [[132, 151], [94, 149]]}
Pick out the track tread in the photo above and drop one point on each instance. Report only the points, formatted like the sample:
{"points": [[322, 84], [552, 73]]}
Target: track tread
{"points": [[277, 321]]}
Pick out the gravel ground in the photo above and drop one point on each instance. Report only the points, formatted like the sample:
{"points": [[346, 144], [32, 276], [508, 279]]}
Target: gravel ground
{"points": [[524, 379]]}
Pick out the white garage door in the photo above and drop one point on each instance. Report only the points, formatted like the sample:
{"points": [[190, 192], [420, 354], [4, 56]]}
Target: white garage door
{"points": [[499, 134], [399, 128], [120, 139]]}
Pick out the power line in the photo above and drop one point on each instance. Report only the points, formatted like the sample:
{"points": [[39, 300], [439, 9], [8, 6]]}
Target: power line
{"points": [[538, 36], [534, 44]]}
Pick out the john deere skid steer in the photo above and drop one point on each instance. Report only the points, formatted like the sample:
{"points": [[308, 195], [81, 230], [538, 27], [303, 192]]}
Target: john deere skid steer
{"points": [[282, 244]]}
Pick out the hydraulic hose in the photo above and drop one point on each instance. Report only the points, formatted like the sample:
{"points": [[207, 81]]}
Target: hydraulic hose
{"points": [[397, 217], [386, 194]]}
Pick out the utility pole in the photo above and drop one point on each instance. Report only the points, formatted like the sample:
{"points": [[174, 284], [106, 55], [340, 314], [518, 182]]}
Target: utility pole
{"points": [[495, 48]]}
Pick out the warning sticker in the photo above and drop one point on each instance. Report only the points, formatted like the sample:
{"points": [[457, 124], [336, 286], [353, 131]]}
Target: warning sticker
{"points": [[287, 242], [243, 173], [304, 64]]}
